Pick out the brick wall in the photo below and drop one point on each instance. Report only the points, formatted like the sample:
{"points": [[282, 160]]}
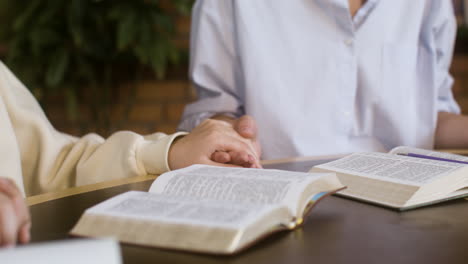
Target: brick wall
{"points": [[157, 106]]}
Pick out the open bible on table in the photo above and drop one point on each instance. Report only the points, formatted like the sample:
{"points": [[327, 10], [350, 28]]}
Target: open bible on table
{"points": [[209, 209], [405, 178]]}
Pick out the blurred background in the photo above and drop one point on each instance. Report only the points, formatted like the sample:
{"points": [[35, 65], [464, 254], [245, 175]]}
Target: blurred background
{"points": [[107, 65], [101, 65]]}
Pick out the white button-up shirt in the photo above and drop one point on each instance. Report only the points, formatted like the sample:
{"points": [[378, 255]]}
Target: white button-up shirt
{"points": [[319, 81]]}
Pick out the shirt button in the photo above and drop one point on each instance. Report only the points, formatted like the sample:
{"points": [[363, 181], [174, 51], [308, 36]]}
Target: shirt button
{"points": [[349, 42]]}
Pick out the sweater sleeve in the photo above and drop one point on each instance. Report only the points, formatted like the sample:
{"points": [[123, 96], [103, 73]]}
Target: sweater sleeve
{"points": [[42, 159]]}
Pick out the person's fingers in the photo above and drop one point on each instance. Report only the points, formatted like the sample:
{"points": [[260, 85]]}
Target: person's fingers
{"points": [[241, 158], [228, 165], [237, 146], [246, 127], [224, 138], [8, 222], [234, 151], [221, 157], [23, 220], [9, 188], [257, 148], [255, 163], [25, 233], [231, 141]]}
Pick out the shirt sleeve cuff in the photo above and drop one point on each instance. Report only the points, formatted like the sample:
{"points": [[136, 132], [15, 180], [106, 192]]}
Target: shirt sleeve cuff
{"points": [[153, 155]]}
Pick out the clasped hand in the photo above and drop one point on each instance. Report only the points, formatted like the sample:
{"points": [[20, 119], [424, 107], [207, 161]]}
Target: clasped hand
{"points": [[225, 143]]}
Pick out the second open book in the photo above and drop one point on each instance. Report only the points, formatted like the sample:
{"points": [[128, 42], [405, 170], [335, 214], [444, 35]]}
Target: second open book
{"points": [[209, 209], [403, 179]]}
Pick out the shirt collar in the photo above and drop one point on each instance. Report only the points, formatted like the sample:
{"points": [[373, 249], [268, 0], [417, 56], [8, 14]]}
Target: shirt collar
{"points": [[364, 12]]}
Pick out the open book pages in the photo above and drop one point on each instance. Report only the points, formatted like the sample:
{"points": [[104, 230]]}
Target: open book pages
{"points": [[399, 181], [77, 251], [208, 209], [239, 185]]}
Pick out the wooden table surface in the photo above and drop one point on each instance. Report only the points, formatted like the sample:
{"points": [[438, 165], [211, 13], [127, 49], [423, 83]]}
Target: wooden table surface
{"points": [[338, 230]]}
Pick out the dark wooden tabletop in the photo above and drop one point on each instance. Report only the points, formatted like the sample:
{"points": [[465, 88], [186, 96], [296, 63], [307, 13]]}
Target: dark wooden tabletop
{"points": [[337, 231]]}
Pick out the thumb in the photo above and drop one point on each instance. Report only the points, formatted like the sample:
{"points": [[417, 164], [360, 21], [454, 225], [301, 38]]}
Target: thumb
{"points": [[246, 127]]}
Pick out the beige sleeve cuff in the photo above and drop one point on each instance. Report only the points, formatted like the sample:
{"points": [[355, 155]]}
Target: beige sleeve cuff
{"points": [[152, 155]]}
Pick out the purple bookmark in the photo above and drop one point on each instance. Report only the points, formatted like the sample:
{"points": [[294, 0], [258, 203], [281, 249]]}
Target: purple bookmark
{"points": [[434, 158]]}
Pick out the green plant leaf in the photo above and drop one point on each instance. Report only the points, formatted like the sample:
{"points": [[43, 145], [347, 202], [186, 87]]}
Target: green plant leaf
{"points": [[76, 15], [49, 14], [163, 22], [23, 19], [43, 38], [183, 6], [57, 67], [126, 31], [158, 60]]}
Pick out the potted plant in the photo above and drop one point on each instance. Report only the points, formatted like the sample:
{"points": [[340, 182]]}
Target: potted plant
{"points": [[83, 49]]}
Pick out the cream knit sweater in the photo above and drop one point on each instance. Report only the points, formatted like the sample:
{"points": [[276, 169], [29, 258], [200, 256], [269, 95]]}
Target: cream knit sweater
{"points": [[41, 159]]}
